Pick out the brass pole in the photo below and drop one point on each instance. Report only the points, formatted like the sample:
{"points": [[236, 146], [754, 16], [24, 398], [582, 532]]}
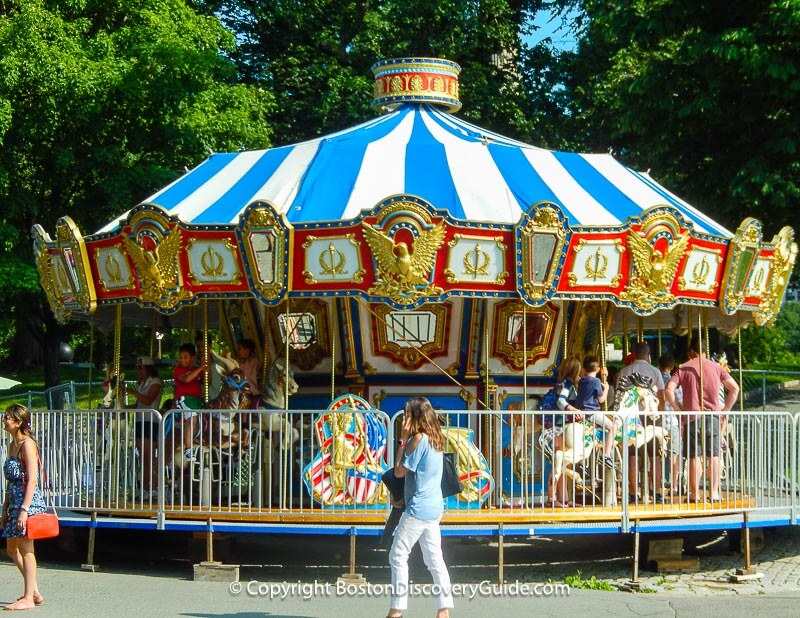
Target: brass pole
{"points": [[153, 328], [566, 327], [658, 322], [705, 331], [206, 359], [739, 355], [117, 346], [603, 346], [639, 329], [524, 355], [333, 354], [91, 360], [624, 333]]}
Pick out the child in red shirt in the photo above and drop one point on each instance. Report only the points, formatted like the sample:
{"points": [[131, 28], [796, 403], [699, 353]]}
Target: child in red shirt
{"points": [[188, 390]]}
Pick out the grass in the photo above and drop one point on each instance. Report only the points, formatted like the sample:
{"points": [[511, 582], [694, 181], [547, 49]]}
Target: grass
{"points": [[576, 581]]}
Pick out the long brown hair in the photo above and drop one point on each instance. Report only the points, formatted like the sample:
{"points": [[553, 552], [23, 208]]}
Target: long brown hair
{"points": [[570, 368], [423, 420], [20, 413]]}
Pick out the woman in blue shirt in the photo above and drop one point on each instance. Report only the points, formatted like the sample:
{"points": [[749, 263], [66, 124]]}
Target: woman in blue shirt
{"points": [[419, 460]]}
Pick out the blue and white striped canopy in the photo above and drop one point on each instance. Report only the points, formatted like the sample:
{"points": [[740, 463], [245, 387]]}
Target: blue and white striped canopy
{"points": [[417, 149]]}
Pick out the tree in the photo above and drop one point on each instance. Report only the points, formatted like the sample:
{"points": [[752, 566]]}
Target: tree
{"points": [[315, 56], [705, 94], [100, 104]]}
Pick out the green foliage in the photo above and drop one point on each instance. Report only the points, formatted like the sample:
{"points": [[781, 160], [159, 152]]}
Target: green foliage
{"points": [[315, 57], [578, 582], [101, 104], [765, 345], [704, 94]]}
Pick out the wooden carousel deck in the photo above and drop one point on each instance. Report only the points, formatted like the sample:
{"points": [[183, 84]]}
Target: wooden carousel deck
{"points": [[671, 507]]}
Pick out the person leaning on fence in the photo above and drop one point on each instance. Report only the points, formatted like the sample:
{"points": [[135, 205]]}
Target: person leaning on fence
{"points": [[420, 461], [702, 429], [23, 499]]}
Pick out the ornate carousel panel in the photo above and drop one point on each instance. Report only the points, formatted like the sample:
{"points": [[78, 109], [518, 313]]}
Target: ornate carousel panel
{"points": [[744, 250], [347, 469], [782, 254], [64, 269], [157, 262], [264, 237]]}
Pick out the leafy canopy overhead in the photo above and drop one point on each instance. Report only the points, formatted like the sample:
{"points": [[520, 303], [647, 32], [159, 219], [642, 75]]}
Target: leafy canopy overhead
{"points": [[706, 94]]}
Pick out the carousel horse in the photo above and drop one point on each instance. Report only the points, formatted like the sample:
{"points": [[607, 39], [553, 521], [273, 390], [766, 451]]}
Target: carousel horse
{"points": [[634, 399], [280, 382]]}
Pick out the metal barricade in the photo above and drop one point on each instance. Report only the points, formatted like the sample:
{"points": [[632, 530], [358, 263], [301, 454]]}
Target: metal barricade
{"points": [[326, 466]]}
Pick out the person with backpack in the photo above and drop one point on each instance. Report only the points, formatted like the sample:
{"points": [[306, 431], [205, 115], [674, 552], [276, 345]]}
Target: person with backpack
{"points": [[566, 390]]}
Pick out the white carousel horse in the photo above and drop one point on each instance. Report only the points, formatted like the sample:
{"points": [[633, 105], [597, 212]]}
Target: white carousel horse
{"points": [[580, 440]]}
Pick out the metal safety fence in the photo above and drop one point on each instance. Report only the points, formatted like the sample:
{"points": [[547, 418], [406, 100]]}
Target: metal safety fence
{"points": [[326, 466]]}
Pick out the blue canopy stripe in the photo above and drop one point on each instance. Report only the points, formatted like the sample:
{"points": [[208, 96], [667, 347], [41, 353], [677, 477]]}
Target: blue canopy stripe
{"points": [[417, 149]]}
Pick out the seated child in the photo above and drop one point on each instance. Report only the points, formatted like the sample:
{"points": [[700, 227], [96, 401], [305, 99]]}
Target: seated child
{"points": [[592, 393]]}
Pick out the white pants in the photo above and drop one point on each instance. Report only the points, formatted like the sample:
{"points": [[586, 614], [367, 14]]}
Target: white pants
{"points": [[408, 532]]}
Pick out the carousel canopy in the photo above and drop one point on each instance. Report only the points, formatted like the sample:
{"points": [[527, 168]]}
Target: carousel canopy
{"points": [[420, 150], [413, 207]]}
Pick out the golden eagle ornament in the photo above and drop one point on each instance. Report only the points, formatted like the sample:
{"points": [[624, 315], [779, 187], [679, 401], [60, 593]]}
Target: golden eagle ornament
{"points": [[403, 273]]}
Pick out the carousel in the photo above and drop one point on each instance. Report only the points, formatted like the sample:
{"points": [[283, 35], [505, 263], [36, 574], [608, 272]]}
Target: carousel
{"points": [[414, 254]]}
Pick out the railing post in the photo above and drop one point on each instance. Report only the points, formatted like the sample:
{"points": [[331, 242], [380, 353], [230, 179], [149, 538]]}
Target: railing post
{"points": [[625, 523], [161, 481], [763, 390]]}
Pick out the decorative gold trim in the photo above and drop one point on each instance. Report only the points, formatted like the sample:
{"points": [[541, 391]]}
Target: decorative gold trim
{"points": [[544, 221], [402, 275], [213, 263], [653, 270], [334, 262], [503, 343], [377, 399], [782, 263], [265, 220], [113, 268], [416, 356], [743, 252]]}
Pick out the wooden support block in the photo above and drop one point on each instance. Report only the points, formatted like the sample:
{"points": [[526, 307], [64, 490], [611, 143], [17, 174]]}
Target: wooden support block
{"points": [[676, 565], [91, 568], [216, 572], [666, 556], [351, 578]]}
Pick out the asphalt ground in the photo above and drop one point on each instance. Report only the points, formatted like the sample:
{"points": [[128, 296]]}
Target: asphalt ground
{"points": [[151, 573]]}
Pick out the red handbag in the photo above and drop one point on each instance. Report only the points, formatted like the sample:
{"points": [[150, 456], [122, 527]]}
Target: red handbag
{"points": [[42, 526]]}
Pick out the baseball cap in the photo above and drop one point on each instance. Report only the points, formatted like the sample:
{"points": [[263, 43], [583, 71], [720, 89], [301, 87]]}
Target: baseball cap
{"points": [[144, 361]]}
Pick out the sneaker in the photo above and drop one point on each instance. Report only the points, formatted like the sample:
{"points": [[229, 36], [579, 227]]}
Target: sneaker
{"points": [[608, 462]]}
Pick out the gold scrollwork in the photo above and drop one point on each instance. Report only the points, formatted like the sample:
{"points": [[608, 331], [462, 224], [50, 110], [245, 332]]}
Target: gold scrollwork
{"points": [[743, 254], [264, 221], [113, 270], [781, 265], [653, 269], [700, 272]]}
